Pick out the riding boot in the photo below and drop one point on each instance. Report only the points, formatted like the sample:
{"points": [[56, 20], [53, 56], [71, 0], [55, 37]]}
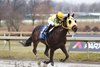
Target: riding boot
{"points": [[49, 27]]}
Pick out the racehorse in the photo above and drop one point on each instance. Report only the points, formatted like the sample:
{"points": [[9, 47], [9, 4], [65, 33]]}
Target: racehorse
{"points": [[56, 39]]}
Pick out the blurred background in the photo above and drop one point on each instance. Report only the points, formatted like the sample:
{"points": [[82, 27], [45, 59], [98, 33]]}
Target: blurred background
{"points": [[23, 15]]}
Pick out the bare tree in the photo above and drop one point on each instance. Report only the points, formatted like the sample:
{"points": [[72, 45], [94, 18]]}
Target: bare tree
{"points": [[40, 7], [44, 9], [87, 28], [2, 4], [14, 15], [33, 7], [95, 29]]}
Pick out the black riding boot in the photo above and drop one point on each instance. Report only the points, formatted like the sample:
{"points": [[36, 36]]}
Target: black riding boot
{"points": [[47, 31]]}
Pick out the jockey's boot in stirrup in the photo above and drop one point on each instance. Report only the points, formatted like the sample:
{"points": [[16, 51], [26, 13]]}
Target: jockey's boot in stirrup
{"points": [[49, 27]]}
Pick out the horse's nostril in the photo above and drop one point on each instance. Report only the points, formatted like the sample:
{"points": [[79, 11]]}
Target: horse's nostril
{"points": [[74, 28]]}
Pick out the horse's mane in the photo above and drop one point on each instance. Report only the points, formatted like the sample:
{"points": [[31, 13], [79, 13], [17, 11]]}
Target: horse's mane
{"points": [[57, 28]]}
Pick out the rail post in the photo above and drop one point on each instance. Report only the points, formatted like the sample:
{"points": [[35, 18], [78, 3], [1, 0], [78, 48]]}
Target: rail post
{"points": [[9, 46], [5, 42], [21, 35], [87, 49]]}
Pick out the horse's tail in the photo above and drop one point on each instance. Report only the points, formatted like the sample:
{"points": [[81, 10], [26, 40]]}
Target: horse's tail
{"points": [[27, 42]]}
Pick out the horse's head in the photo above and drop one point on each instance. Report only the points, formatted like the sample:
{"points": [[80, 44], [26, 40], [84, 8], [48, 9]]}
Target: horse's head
{"points": [[70, 23]]}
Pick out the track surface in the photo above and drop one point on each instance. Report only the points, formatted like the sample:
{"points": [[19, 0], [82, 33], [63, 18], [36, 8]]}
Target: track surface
{"points": [[16, 63]]}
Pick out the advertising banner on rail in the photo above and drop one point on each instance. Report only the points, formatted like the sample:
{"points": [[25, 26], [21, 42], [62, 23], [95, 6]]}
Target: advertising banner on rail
{"points": [[84, 46]]}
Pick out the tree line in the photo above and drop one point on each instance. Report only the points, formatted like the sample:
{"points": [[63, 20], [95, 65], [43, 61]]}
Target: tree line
{"points": [[14, 11]]}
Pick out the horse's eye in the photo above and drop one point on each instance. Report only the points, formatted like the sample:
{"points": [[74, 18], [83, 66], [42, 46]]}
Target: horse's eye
{"points": [[69, 21], [75, 21]]}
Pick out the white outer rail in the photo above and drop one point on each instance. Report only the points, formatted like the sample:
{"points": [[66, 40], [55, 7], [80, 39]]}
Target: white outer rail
{"points": [[68, 38]]}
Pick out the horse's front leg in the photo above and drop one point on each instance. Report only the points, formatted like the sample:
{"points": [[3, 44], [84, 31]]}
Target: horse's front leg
{"points": [[46, 50], [51, 57], [63, 48]]}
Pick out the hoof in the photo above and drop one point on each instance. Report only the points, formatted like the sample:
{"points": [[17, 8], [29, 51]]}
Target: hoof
{"points": [[61, 60], [52, 63], [45, 62], [35, 51]]}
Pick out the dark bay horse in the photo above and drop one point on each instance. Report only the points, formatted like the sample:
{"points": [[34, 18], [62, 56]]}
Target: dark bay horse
{"points": [[56, 38]]}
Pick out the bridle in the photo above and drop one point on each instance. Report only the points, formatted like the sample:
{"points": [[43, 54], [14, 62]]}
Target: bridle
{"points": [[65, 27], [62, 24]]}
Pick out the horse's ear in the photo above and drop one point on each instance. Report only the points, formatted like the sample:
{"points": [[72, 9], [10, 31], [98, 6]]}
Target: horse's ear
{"points": [[68, 15], [73, 15]]}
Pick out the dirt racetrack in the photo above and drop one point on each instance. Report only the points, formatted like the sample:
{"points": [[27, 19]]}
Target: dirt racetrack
{"points": [[20, 63]]}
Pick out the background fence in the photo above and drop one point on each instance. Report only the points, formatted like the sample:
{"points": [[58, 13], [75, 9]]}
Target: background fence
{"points": [[9, 37]]}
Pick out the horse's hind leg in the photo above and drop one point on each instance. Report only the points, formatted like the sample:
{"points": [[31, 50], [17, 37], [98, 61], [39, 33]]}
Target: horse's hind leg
{"points": [[35, 47], [46, 50], [63, 48]]}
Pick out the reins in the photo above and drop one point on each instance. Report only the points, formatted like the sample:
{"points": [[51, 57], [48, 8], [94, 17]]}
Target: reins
{"points": [[64, 27]]}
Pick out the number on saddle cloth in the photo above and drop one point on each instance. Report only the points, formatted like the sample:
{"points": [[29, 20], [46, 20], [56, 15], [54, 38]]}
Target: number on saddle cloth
{"points": [[43, 35]]}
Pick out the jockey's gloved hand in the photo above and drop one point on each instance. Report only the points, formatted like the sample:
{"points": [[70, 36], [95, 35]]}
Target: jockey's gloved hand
{"points": [[60, 22]]}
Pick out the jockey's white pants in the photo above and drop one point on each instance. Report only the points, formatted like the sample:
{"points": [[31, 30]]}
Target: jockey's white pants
{"points": [[50, 22]]}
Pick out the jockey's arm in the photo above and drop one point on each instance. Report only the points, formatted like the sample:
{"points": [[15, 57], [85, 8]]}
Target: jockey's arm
{"points": [[50, 22], [56, 24], [53, 23]]}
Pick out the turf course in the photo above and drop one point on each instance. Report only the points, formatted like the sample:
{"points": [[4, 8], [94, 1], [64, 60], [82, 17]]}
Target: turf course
{"points": [[19, 52]]}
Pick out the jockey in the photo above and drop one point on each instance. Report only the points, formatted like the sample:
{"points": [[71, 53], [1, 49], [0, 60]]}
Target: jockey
{"points": [[55, 20]]}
